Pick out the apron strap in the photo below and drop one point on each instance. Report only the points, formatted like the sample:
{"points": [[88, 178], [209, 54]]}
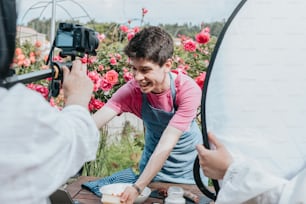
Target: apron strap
{"points": [[173, 92]]}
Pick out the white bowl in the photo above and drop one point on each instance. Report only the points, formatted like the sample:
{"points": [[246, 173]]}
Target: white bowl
{"points": [[118, 188]]}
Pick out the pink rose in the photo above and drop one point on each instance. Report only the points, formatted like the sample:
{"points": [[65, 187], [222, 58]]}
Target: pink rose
{"points": [[105, 85], [190, 46], [144, 11], [84, 60], [100, 67], [200, 79], [113, 61], [39, 88], [127, 76], [124, 28], [91, 59], [18, 51], [124, 69], [118, 56], [32, 59], [112, 77], [136, 29], [101, 37], [38, 44], [130, 35], [180, 69], [96, 79], [27, 62], [21, 57], [206, 29], [95, 104]]}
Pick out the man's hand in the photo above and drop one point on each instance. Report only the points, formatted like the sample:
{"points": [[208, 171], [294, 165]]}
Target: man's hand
{"points": [[77, 85], [129, 195], [214, 162]]}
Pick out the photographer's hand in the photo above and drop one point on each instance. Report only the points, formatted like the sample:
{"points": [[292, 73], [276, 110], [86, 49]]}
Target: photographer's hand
{"points": [[216, 161], [76, 84]]}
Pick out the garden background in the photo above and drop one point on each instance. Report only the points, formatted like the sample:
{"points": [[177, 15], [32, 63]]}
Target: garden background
{"points": [[109, 70]]}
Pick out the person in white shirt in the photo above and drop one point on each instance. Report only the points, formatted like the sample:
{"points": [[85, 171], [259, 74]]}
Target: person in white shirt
{"points": [[40, 146], [243, 181]]}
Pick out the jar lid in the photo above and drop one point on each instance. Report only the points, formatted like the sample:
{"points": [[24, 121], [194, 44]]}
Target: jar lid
{"points": [[175, 191]]}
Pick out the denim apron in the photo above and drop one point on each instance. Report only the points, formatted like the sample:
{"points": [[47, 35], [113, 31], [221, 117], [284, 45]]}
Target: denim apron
{"points": [[178, 168]]}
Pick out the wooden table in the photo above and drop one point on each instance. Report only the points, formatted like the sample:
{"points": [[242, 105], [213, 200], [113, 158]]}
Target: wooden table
{"points": [[86, 197]]}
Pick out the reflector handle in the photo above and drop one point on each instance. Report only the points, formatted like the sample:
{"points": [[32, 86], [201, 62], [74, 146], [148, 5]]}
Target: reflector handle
{"points": [[201, 186]]}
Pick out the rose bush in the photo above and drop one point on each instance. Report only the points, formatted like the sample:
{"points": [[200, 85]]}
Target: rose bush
{"points": [[109, 69]]}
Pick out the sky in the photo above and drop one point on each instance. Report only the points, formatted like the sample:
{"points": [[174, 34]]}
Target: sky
{"points": [[120, 11]]}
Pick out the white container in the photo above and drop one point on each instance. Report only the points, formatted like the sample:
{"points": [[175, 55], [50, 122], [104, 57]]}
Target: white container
{"points": [[175, 195]]}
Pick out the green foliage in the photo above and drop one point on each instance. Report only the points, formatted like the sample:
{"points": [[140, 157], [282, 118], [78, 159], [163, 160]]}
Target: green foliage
{"points": [[192, 30], [111, 28], [116, 156], [28, 49], [196, 61], [125, 153]]}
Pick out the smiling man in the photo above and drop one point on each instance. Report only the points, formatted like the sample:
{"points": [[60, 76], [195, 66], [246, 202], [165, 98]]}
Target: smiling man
{"points": [[167, 103]]}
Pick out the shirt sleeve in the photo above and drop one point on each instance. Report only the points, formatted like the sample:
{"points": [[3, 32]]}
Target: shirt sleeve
{"points": [[50, 145], [126, 99], [246, 181], [188, 100], [294, 190], [44, 147], [64, 142]]}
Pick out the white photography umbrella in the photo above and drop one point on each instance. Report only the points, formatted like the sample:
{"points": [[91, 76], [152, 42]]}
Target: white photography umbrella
{"points": [[254, 97]]}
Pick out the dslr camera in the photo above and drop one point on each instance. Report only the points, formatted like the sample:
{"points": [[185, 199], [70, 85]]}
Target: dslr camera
{"points": [[75, 40]]}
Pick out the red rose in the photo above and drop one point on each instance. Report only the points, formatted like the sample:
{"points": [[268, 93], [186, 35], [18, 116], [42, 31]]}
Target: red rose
{"points": [[144, 11], [124, 28], [203, 37], [190, 46], [200, 79]]}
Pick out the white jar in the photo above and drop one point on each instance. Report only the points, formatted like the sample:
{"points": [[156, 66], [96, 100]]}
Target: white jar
{"points": [[175, 195]]}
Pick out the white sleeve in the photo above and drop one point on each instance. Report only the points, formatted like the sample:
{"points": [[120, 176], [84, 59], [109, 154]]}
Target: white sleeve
{"points": [[247, 182], [40, 146], [295, 190], [74, 141]]}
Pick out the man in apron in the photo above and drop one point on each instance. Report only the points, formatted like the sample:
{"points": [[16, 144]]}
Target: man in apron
{"points": [[167, 103]]}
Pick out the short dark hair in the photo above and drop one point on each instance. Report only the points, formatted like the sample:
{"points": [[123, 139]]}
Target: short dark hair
{"points": [[151, 43]]}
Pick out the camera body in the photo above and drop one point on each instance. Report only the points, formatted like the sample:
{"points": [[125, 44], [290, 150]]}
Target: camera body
{"points": [[76, 40]]}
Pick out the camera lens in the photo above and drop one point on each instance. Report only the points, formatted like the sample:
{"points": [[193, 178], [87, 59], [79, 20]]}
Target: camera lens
{"points": [[96, 41]]}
